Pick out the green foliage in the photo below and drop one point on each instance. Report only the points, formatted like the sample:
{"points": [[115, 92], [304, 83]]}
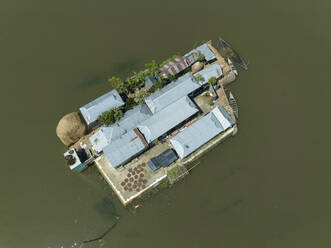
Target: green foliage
{"points": [[156, 142], [168, 60], [141, 97], [198, 77], [156, 86], [110, 116], [129, 103], [212, 80], [152, 67], [201, 57], [171, 77], [118, 84], [210, 102], [173, 171]]}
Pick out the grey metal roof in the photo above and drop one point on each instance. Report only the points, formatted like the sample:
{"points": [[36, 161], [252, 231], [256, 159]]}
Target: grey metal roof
{"points": [[149, 81], [171, 93], [204, 49], [200, 132], [124, 148], [166, 119], [213, 70], [106, 134], [92, 110]]}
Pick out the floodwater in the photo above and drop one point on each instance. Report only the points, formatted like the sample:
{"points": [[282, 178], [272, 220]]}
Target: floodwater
{"points": [[269, 186]]}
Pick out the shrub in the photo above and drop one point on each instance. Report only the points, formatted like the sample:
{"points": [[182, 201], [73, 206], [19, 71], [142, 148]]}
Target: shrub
{"points": [[129, 103], [198, 77], [110, 116], [210, 102], [201, 58], [118, 84], [212, 80]]}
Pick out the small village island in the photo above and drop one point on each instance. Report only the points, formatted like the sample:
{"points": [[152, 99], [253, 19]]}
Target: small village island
{"points": [[149, 128]]}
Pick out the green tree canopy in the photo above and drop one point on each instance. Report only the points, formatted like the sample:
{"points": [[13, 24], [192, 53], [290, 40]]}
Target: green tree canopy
{"points": [[110, 116], [118, 84]]}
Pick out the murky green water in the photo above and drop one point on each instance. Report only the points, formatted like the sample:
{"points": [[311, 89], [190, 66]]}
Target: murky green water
{"points": [[267, 187]]}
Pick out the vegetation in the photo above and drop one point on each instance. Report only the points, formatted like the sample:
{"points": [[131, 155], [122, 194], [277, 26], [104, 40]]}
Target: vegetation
{"points": [[141, 96], [212, 80], [152, 67], [129, 103], [168, 60], [156, 86], [171, 77], [110, 116], [198, 77], [156, 142], [118, 84], [201, 58], [210, 102], [173, 171]]}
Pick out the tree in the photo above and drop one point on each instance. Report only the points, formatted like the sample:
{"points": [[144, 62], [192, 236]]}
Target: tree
{"points": [[152, 67], [141, 97], [129, 103], [212, 80], [118, 84], [171, 77], [110, 116]]}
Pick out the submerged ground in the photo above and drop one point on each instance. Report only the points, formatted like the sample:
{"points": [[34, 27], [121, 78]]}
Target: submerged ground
{"points": [[266, 187]]}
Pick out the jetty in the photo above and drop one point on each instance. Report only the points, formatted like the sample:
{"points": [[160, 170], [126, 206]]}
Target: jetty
{"points": [[152, 126]]}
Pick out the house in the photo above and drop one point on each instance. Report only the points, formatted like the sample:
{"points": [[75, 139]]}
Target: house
{"points": [[149, 81], [202, 131], [92, 110], [125, 148], [205, 50], [183, 86], [167, 118], [162, 160], [208, 72], [191, 57], [174, 67], [107, 134]]}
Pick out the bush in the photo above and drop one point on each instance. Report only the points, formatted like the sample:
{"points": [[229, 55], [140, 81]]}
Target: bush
{"points": [[201, 58], [198, 77], [210, 102], [110, 116], [212, 80], [118, 84]]}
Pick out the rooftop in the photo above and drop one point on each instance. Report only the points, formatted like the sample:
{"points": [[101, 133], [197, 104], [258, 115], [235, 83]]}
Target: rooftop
{"points": [[171, 93], [208, 72], [200, 132], [204, 49], [92, 110], [167, 118], [124, 148], [106, 134]]}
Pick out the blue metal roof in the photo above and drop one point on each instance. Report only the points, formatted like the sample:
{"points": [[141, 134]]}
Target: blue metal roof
{"points": [[106, 134], [183, 86], [204, 49], [200, 132], [213, 70], [92, 110], [166, 119], [124, 148]]}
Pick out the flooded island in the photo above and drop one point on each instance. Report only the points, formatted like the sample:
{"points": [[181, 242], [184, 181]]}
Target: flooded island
{"points": [[150, 127]]}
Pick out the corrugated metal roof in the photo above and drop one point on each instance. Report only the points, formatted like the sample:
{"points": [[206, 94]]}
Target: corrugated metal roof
{"points": [[191, 57], [173, 67], [149, 81], [124, 148], [200, 132], [92, 110], [213, 70], [129, 121], [204, 49], [171, 93], [167, 118]]}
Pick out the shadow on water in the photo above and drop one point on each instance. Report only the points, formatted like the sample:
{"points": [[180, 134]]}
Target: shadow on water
{"points": [[118, 69], [106, 209]]}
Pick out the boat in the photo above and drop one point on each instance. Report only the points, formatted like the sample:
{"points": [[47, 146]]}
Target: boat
{"points": [[233, 68], [228, 52], [234, 105]]}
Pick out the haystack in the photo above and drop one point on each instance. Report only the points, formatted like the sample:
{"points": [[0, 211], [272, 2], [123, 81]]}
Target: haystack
{"points": [[71, 128], [197, 66]]}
